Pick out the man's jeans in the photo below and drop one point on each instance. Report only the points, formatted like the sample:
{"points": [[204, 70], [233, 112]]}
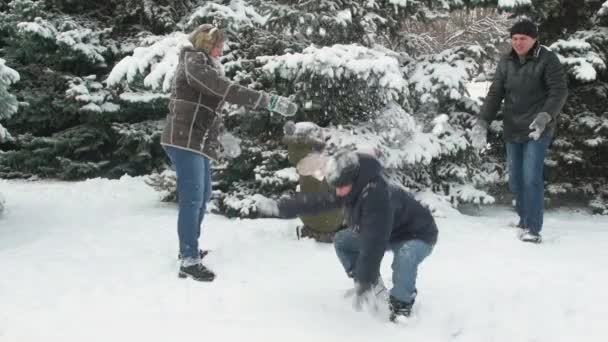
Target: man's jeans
{"points": [[407, 256], [526, 163], [193, 191]]}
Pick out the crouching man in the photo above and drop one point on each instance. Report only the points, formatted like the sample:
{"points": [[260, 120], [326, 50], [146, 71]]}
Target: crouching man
{"points": [[380, 215]]}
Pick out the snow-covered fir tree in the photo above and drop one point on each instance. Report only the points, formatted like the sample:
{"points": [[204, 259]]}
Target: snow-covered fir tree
{"points": [[96, 78], [71, 127], [8, 107], [8, 101]]}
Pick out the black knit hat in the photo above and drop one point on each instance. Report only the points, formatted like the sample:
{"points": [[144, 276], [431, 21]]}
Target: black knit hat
{"points": [[342, 169], [525, 26]]}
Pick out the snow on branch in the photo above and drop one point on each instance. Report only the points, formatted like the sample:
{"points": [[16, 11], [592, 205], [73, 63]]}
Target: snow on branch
{"points": [[394, 134], [8, 101], [85, 41], [445, 75], [604, 10], [38, 27], [342, 62], [237, 13], [91, 95], [8, 75], [577, 55], [70, 36], [510, 4], [156, 60]]}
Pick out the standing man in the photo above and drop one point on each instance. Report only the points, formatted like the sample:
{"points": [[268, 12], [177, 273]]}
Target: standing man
{"points": [[193, 134], [381, 216], [532, 83]]}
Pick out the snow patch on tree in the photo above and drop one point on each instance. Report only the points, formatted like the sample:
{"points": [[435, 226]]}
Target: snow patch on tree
{"points": [[468, 193], [443, 77], [142, 97], [341, 62], [39, 27], [393, 133], [156, 60], [91, 94], [439, 205], [604, 10], [8, 101], [236, 14], [577, 55], [69, 35], [85, 41], [510, 4], [277, 178]]}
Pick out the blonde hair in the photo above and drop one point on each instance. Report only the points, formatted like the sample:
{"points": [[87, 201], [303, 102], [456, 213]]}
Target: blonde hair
{"points": [[206, 37]]}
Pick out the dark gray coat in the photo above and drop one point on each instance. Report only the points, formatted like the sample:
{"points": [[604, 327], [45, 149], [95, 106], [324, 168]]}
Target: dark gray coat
{"points": [[382, 213], [534, 86]]}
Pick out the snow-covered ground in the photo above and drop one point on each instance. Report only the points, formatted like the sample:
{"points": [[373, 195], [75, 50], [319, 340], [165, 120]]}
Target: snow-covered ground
{"points": [[96, 261]]}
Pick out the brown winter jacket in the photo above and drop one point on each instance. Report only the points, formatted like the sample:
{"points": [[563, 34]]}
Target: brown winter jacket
{"points": [[198, 92]]}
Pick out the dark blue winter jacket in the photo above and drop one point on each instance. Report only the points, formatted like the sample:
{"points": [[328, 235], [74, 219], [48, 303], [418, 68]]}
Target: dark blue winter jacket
{"points": [[382, 213]]}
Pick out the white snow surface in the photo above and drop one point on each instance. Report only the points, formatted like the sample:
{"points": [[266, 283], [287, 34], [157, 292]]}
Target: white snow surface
{"points": [[96, 261]]}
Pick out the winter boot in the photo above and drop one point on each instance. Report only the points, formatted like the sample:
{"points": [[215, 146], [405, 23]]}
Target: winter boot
{"points": [[201, 254], [519, 225], [399, 308], [529, 236], [197, 272], [380, 291]]}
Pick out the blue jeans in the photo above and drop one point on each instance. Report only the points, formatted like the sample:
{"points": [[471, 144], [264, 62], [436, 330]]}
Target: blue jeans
{"points": [[526, 181], [193, 192], [407, 256]]}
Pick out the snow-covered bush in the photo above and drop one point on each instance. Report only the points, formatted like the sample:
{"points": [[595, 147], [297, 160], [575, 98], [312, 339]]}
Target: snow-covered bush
{"points": [[8, 101], [94, 98], [339, 83]]}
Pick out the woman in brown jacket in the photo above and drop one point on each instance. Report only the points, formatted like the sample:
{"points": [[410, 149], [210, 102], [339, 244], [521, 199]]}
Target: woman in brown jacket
{"points": [[193, 132]]}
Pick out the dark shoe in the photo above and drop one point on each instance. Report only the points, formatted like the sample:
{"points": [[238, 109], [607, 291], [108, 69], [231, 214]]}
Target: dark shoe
{"points": [[399, 308], [196, 272], [519, 225], [201, 254], [529, 236]]}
